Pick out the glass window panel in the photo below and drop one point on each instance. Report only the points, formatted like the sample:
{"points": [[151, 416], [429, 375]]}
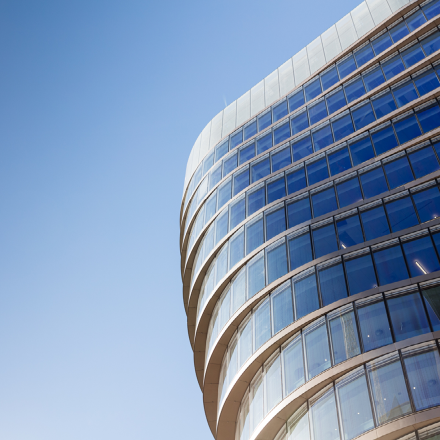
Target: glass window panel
{"points": [[374, 326], [373, 78], [302, 148], [260, 169], [250, 130], [431, 9], [431, 296], [298, 212], [398, 172], [393, 67], [362, 116], [322, 137], [296, 100], [332, 284], [264, 121], [349, 191], [429, 118], [281, 133], [236, 139], [427, 203], [254, 235], [245, 343], [335, 101], [293, 366], [401, 214], [281, 159], [407, 316], [346, 67], [399, 31], [300, 251], [256, 276], [262, 324], [215, 176], [324, 202], [329, 78], [342, 127], [375, 223], [276, 189], [246, 153], [279, 111], [437, 146], [349, 231], [412, 55], [256, 407], [405, 93], [324, 240], [384, 140], [224, 194], [431, 44], [276, 263], [384, 104], [373, 182], [317, 171], [221, 226], [421, 256], [264, 143], [256, 200], [423, 161], [273, 391], [415, 20], [241, 181], [306, 296], [360, 274], [354, 90], [381, 43], [239, 292], [296, 180], [282, 308], [236, 248], [275, 223], [324, 418], [426, 82], [390, 265], [208, 162], [221, 264], [317, 112], [211, 207], [436, 238], [221, 150], [316, 348], [313, 89], [299, 123], [387, 384], [361, 150], [339, 161], [364, 55]]}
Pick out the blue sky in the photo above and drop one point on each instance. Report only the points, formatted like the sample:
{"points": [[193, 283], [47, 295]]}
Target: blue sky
{"points": [[100, 104]]}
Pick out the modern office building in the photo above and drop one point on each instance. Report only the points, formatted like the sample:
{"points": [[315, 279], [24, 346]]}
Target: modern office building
{"points": [[310, 239]]}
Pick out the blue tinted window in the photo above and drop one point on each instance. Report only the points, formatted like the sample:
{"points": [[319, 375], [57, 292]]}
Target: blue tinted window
{"points": [[384, 104], [431, 44], [282, 133], [256, 277], [300, 251], [299, 123], [221, 150], [412, 55], [264, 121], [332, 284], [429, 118], [407, 129], [360, 274], [298, 212], [405, 93], [322, 137], [427, 203], [317, 171], [393, 67], [324, 240], [237, 213], [296, 180], [282, 309], [241, 181], [215, 176], [364, 55], [375, 223], [280, 159], [306, 296], [264, 143], [317, 112], [208, 162], [276, 263], [236, 249], [346, 67], [336, 101], [399, 31], [296, 100], [229, 164], [398, 172], [390, 265], [423, 161], [275, 223], [339, 161], [260, 170], [246, 153], [236, 139], [373, 78], [381, 43], [361, 150], [421, 256], [302, 148], [221, 226], [437, 148], [354, 90], [324, 202], [407, 316], [329, 78], [276, 190], [254, 235], [436, 238], [431, 296], [373, 182], [250, 130], [342, 127], [426, 82], [415, 20], [256, 200], [384, 139], [313, 89], [362, 116], [211, 207], [224, 193], [431, 9], [279, 111], [349, 231], [349, 192], [401, 214]]}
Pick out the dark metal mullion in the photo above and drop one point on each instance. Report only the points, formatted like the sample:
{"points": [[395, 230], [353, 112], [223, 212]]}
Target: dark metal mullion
{"points": [[405, 375], [387, 310], [370, 395], [415, 208], [419, 290]]}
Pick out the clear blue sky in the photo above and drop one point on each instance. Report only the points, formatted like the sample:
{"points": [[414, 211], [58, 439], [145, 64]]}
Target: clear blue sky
{"points": [[100, 104]]}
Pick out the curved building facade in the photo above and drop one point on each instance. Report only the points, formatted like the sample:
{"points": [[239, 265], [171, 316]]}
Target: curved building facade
{"points": [[310, 239]]}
